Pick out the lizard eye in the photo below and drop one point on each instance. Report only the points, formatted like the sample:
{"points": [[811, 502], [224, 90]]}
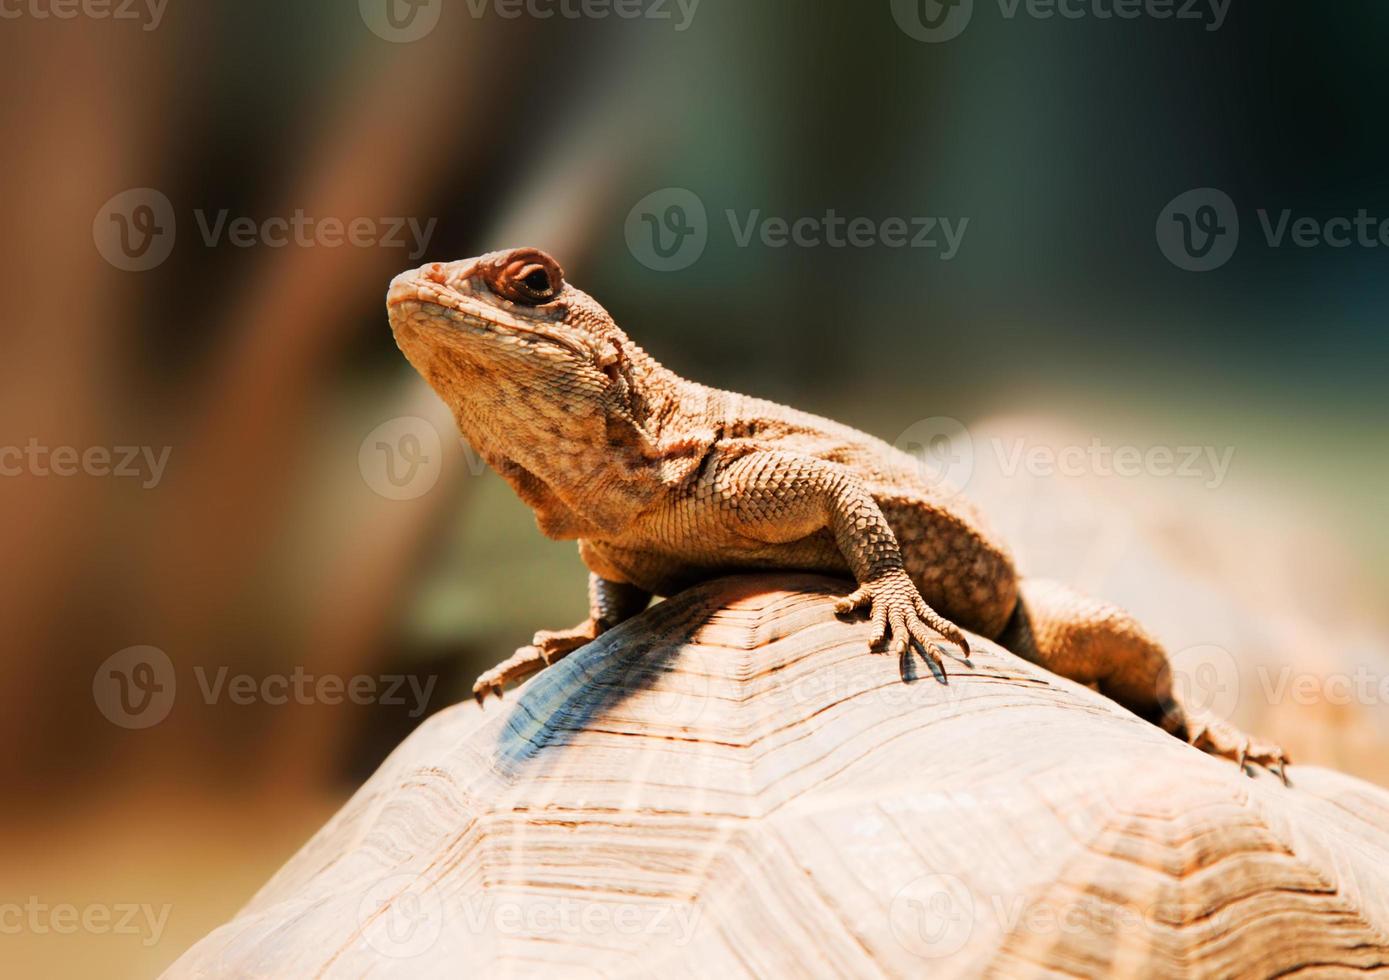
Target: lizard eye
{"points": [[528, 276]]}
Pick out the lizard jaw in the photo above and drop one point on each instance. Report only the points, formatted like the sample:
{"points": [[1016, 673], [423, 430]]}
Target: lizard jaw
{"points": [[423, 301]]}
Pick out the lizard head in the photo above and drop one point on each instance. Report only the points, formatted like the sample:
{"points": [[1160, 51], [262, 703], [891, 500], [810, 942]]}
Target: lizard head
{"points": [[534, 369], [510, 310], [507, 325]]}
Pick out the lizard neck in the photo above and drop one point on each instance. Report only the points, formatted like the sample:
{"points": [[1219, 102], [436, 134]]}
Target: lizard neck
{"points": [[592, 465], [658, 398]]}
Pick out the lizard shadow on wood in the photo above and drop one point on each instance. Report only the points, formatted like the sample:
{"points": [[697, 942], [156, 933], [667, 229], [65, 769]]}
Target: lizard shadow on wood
{"points": [[630, 659]]}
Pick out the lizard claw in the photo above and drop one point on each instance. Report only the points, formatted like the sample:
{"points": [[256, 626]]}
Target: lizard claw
{"points": [[901, 619], [520, 665], [491, 682], [548, 647], [1223, 739]]}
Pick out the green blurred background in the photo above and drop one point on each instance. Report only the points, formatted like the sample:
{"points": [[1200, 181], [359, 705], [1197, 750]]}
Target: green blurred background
{"points": [[266, 547]]}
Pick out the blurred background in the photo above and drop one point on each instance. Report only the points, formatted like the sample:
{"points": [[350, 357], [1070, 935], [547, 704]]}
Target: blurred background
{"points": [[247, 554]]}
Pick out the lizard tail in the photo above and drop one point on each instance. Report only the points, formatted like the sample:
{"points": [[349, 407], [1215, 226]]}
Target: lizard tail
{"points": [[1091, 642], [1097, 643]]}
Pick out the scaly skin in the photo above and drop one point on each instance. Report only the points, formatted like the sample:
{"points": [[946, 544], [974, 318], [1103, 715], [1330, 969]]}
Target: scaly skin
{"points": [[665, 482]]}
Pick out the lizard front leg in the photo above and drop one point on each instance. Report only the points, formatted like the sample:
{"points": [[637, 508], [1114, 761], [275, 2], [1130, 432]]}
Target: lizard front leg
{"points": [[783, 496], [609, 603]]}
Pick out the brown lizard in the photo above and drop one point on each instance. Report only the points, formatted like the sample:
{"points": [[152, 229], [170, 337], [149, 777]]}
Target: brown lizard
{"points": [[665, 482]]}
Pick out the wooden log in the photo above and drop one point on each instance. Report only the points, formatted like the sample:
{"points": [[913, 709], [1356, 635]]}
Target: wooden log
{"points": [[732, 785]]}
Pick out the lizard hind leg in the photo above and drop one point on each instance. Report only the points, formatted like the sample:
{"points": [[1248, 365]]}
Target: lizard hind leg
{"points": [[1094, 642]]}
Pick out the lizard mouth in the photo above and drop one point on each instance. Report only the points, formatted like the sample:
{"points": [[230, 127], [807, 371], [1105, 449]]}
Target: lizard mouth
{"points": [[441, 303]]}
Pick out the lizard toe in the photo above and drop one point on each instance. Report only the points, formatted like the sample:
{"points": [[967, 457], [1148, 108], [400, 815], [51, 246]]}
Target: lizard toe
{"points": [[877, 638], [942, 625], [925, 645], [854, 601], [1222, 739]]}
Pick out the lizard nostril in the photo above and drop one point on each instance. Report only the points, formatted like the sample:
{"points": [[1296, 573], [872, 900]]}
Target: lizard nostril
{"points": [[434, 272]]}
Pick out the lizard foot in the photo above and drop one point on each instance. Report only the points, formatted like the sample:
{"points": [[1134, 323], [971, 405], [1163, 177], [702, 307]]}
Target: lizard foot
{"points": [[546, 647], [901, 618], [1222, 739], [554, 644]]}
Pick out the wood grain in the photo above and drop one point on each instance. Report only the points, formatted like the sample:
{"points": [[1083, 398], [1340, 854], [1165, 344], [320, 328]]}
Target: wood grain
{"points": [[731, 785]]}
